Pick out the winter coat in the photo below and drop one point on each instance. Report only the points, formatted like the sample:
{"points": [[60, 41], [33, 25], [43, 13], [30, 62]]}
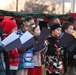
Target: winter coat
{"points": [[13, 57], [2, 70], [71, 60], [26, 58], [54, 57], [1, 64]]}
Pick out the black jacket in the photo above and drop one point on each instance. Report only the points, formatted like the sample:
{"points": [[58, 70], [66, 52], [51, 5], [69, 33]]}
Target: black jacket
{"points": [[71, 60], [51, 47]]}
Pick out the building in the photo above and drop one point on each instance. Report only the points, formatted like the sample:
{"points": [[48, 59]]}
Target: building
{"points": [[71, 2]]}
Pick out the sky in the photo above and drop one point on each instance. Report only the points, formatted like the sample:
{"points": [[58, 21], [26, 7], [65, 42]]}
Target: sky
{"points": [[4, 3], [11, 4]]}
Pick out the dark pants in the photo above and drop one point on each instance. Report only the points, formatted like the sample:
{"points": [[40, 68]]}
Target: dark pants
{"points": [[13, 72], [6, 62], [51, 74], [2, 73]]}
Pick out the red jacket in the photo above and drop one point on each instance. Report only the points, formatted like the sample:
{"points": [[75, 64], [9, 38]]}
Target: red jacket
{"points": [[13, 55]]}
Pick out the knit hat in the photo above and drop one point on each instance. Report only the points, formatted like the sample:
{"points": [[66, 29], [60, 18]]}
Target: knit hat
{"points": [[54, 26], [8, 26], [8, 18]]}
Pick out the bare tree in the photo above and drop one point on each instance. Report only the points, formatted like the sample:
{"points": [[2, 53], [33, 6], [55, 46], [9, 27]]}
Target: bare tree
{"points": [[38, 6], [35, 6]]}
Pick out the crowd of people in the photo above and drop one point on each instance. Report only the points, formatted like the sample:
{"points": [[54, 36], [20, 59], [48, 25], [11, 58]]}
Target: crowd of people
{"points": [[57, 60]]}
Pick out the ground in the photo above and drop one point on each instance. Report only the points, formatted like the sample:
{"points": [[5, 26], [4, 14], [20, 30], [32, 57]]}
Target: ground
{"points": [[43, 68]]}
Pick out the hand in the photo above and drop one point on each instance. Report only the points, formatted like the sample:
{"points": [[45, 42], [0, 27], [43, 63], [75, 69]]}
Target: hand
{"points": [[58, 49], [3, 47], [74, 57], [46, 42]]}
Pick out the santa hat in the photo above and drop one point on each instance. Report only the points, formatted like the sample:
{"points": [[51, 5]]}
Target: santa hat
{"points": [[8, 26]]}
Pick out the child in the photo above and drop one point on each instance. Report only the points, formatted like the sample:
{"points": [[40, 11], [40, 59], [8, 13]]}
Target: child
{"points": [[7, 18], [67, 27], [53, 56], [13, 55], [24, 26], [37, 70], [2, 71], [29, 19], [56, 20]]}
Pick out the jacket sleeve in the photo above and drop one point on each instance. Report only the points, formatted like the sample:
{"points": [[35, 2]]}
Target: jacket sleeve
{"points": [[70, 56], [20, 51], [51, 47], [1, 49]]}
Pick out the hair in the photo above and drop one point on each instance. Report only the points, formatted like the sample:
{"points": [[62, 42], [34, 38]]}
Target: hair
{"points": [[66, 25], [71, 19], [21, 23], [12, 18], [54, 19], [28, 18], [33, 26]]}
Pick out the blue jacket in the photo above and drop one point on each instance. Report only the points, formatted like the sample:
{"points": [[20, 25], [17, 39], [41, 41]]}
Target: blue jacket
{"points": [[26, 58], [19, 32], [1, 64], [2, 71]]}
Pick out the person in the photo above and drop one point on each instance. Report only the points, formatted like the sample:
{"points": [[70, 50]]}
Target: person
{"points": [[37, 56], [13, 55], [29, 19], [53, 56], [56, 20], [5, 57], [2, 70], [67, 27], [8, 18], [73, 66], [24, 25], [48, 25], [71, 19]]}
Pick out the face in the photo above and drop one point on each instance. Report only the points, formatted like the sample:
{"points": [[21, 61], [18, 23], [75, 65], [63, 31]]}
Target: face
{"points": [[57, 20], [69, 30], [37, 31], [14, 20], [14, 30], [56, 32], [74, 25], [25, 27], [30, 22]]}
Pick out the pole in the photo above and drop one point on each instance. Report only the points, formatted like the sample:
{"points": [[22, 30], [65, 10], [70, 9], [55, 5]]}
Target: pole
{"points": [[16, 5], [72, 5], [63, 4]]}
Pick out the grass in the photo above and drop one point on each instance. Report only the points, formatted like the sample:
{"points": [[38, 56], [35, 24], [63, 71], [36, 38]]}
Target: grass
{"points": [[43, 70]]}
